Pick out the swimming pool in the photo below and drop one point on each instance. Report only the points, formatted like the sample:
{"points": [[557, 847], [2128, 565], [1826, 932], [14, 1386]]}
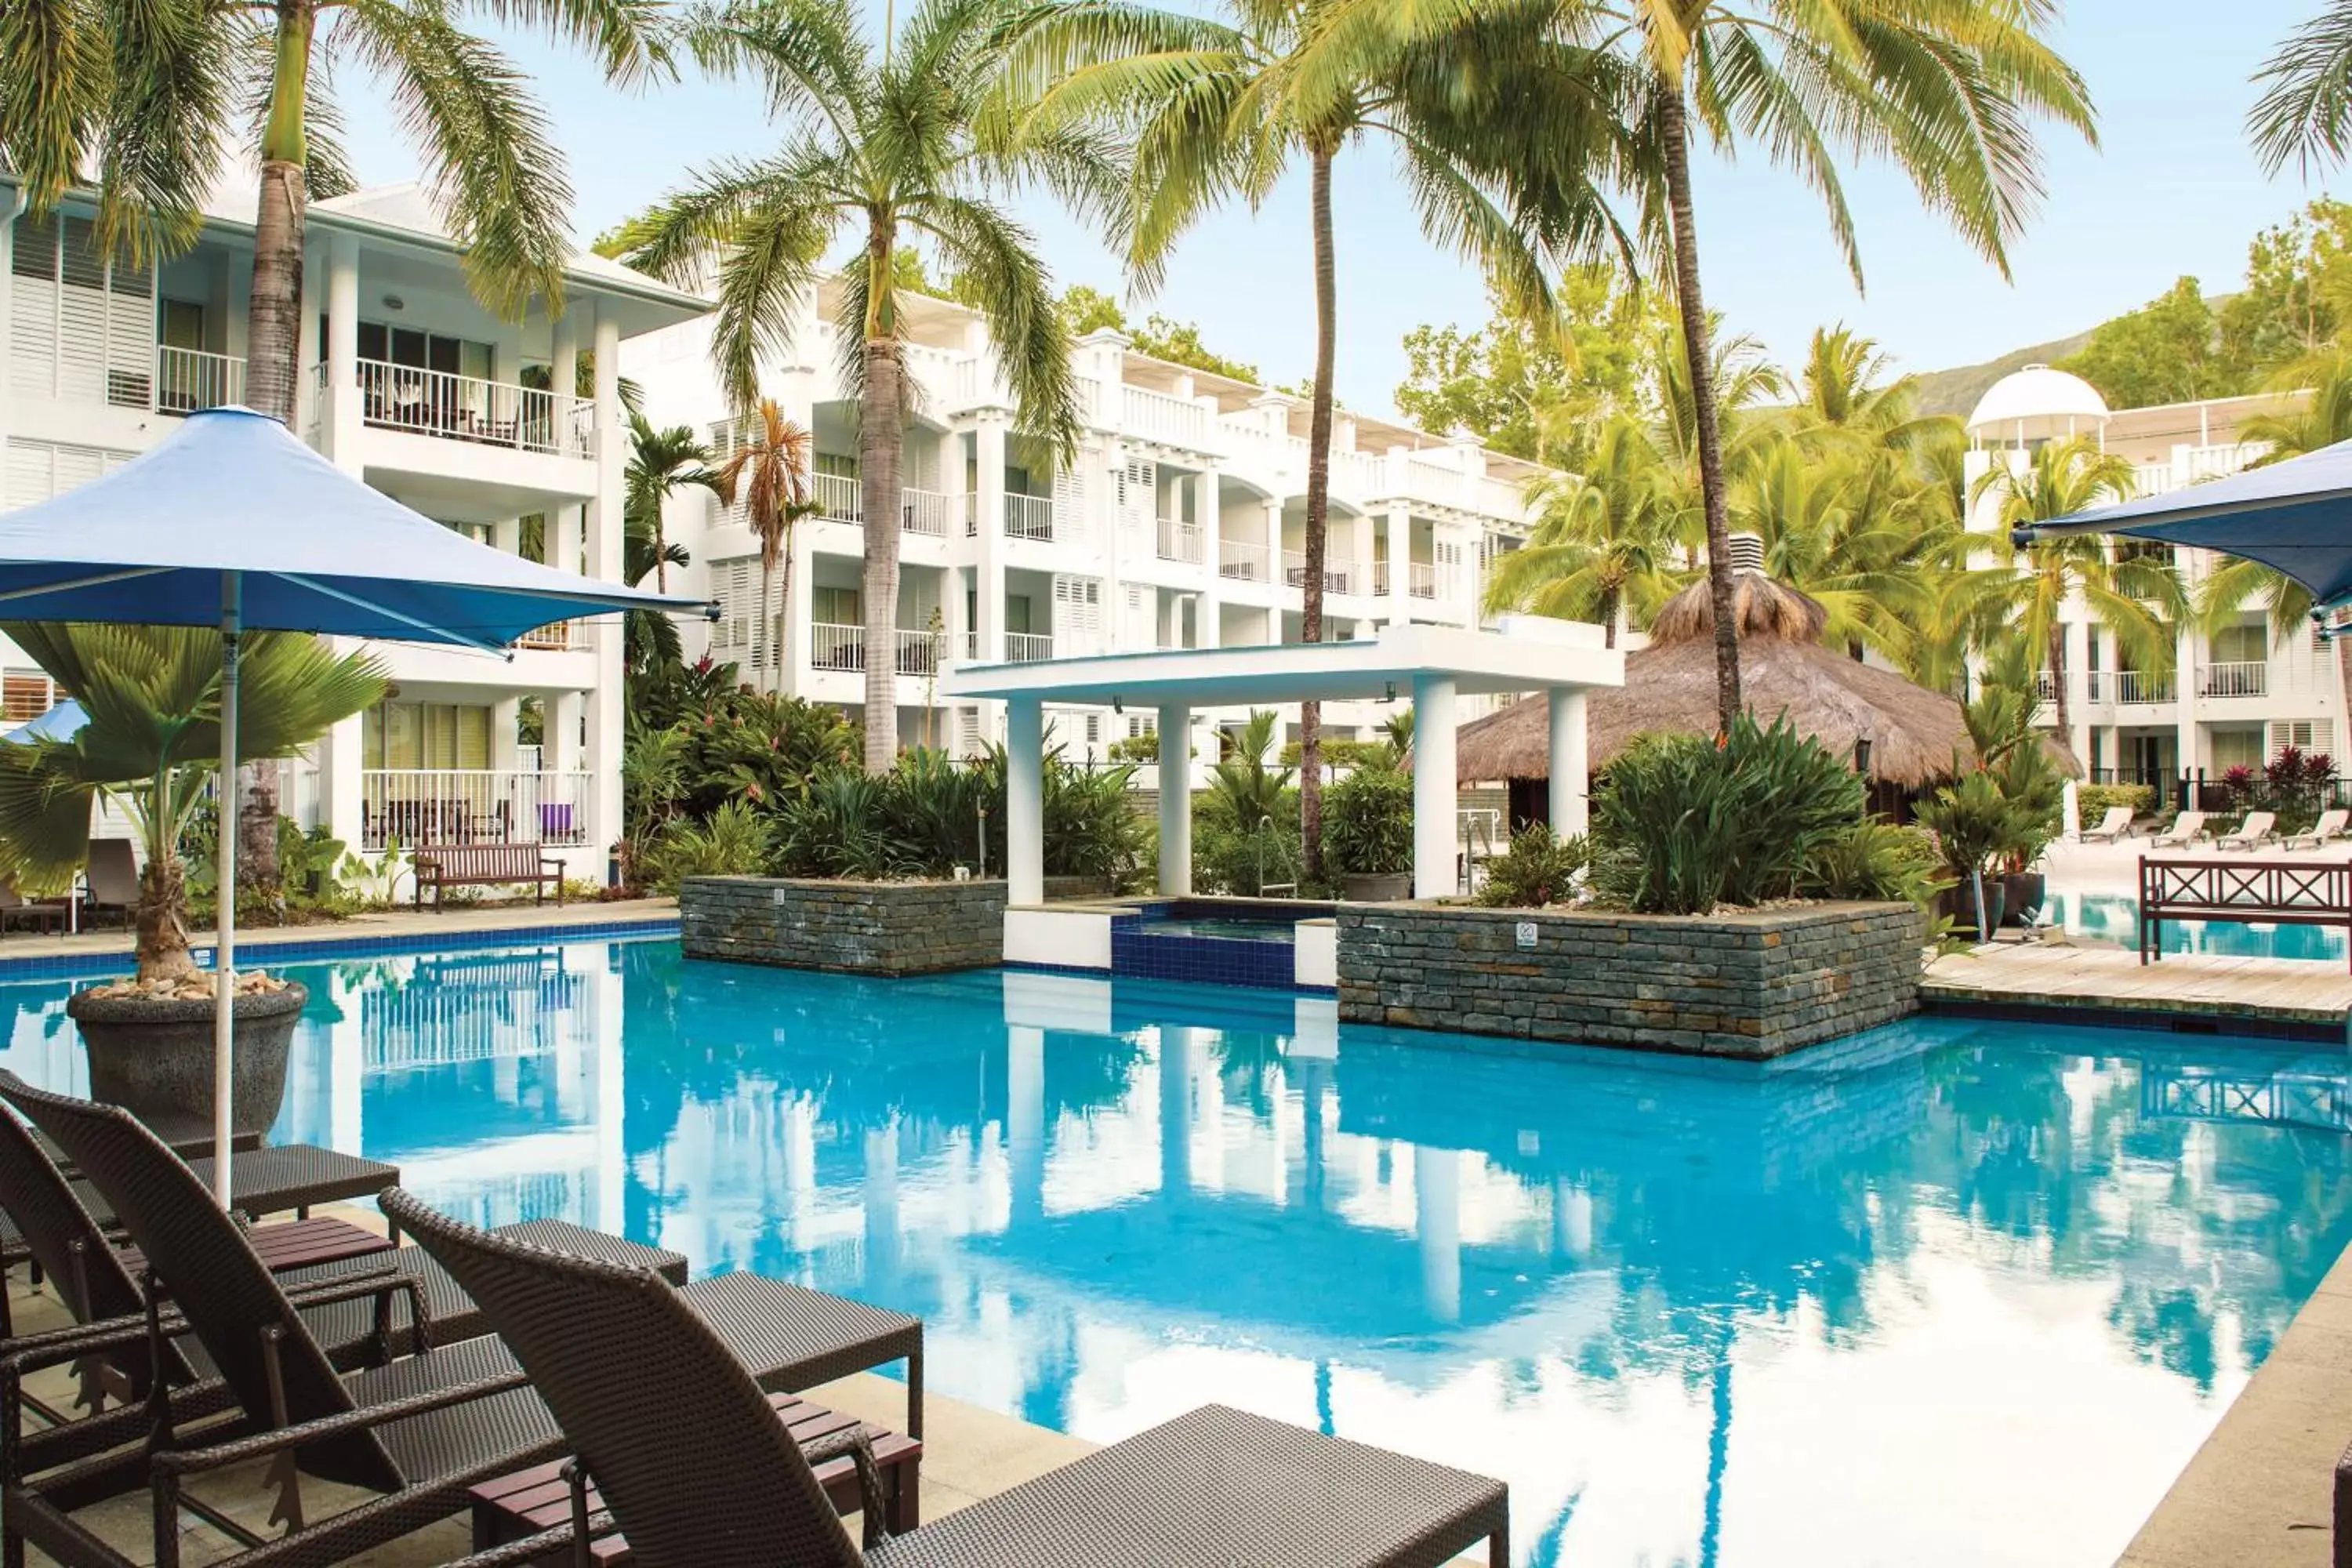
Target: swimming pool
{"points": [[1946, 1293], [2115, 917], [1222, 928]]}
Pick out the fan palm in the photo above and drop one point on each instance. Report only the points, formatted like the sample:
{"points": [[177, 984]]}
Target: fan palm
{"points": [[1220, 108], [1604, 542], [883, 143], [153, 745], [2304, 112], [2137, 596], [770, 469]]}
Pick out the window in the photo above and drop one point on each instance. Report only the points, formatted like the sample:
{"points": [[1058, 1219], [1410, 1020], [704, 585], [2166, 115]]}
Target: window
{"points": [[2242, 644], [81, 325], [423, 350], [840, 465], [836, 607], [183, 324], [25, 695], [411, 735], [2237, 749], [39, 470], [2303, 734]]}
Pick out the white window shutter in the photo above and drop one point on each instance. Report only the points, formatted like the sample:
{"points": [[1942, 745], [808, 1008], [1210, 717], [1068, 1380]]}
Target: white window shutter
{"points": [[31, 465]]}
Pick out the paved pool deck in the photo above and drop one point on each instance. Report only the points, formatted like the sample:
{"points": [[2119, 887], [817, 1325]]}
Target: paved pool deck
{"points": [[2273, 995]]}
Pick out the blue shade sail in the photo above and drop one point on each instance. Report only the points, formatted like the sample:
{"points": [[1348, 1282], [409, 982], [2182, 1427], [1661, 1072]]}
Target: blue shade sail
{"points": [[2295, 516]]}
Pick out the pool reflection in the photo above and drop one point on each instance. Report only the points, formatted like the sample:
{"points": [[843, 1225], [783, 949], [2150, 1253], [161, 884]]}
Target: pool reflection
{"points": [[1694, 1311]]}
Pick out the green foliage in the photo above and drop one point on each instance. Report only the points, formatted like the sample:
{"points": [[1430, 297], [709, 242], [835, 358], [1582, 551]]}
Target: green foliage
{"points": [[1972, 820], [1243, 783], [736, 841], [1229, 856], [2092, 801], [1143, 748], [1681, 825], [1878, 860], [2297, 294], [2167, 350], [1092, 828], [840, 826], [1085, 309], [762, 748], [1538, 869], [1368, 822], [1344, 753]]}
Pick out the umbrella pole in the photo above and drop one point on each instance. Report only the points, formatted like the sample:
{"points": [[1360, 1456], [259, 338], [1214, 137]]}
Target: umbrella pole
{"points": [[225, 894]]}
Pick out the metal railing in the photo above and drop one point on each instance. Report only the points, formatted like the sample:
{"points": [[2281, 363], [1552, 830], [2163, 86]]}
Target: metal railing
{"points": [[1420, 579], [926, 512], [2138, 686], [1179, 540], [2045, 686], [1026, 647], [189, 380], [462, 408], [839, 497], [562, 635], [1243, 562], [2238, 678], [1029, 517], [1338, 573], [840, 647], [473, 805]]}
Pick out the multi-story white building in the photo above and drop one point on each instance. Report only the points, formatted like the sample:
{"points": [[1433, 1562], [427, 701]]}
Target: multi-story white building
{"points": [[1179, 525], [2234, 698], [412, 385]]}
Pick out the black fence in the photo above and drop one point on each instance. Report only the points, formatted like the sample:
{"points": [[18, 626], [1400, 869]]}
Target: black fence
{"points": [[2205, 791]]}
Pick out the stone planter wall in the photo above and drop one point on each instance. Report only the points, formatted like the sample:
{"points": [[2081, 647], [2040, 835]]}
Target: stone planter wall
{"points": [[1750, 985], [865, 927]]}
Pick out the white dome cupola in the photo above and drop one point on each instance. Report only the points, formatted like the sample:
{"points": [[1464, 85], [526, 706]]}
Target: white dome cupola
{"points": [[2034, 404]]}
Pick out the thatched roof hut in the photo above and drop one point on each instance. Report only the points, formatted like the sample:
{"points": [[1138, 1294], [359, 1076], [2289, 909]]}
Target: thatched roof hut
{"points": [[1783, 668]]}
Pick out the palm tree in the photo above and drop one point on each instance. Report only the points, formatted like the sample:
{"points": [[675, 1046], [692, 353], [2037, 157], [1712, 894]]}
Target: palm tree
{"points": [[1223, 109], [1604, 542], [882, 143], [151, 744], [149, 97], [1841, 528], [661, 464], [2135, 593], [2305, 111], [770, 468]]}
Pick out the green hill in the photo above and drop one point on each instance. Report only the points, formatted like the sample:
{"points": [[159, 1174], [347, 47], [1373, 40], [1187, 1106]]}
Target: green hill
{"points": [[1956, 392]]}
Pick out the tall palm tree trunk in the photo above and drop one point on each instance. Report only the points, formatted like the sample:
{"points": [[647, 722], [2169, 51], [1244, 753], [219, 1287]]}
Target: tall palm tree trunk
{"points": [[1319, 510], [1702, 408], [769, 631], [784, 607], [2058, 682], [878, 420], [273, 369]]}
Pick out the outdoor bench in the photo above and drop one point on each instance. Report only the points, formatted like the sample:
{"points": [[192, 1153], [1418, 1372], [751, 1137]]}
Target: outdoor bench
{"points": [[441, 866], [2271, 893]]}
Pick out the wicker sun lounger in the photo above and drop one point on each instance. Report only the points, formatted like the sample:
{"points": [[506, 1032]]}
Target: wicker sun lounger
{"points": [[419, 1430], [1209, 1489]]}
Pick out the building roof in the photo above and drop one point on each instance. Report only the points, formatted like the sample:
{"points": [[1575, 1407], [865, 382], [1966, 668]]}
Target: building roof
{"points": [[2046, 401]]}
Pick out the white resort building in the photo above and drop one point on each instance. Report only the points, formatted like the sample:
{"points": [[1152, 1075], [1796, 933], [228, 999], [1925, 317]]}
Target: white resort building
{"points": [[2233, 699], [414, 386], [1179, 526]]}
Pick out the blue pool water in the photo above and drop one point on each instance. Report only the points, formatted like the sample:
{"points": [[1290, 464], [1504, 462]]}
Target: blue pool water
{"points": [[2115, 917], [1948, 1293], [1224, 930]]}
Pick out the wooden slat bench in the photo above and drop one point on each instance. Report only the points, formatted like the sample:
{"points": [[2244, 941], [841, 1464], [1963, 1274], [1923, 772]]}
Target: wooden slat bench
{"points": [[520, 1506], [440, 866], [2274, 893]]}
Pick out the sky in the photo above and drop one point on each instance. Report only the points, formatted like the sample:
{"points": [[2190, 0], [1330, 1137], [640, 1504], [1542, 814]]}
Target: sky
{"points": [[2170, 190]]}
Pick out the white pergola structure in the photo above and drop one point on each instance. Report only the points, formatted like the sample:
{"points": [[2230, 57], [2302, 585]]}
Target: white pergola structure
{"points": [[1432, 665]]}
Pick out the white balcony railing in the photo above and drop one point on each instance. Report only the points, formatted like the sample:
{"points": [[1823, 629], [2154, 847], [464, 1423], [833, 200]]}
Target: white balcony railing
{"points": [[926, 512], [1340, 574], [1165, 416], [2238, 678], [2152, 479], [1243, 562], [189, 380], [563, 634], [2138, 686], [487, 413], [1027, 648], [839, 497], [2046, 687], [1029, 517], [1420, 579], [1179, 540], [840, 647], [472, 805]]}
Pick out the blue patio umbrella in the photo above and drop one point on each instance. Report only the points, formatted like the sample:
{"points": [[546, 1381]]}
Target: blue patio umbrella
{"points": [[2295, 516], [62, 722], [234, 523]]}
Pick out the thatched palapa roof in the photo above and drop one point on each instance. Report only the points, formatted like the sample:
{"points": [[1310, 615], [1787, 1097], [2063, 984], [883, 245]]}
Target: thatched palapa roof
{"points": [[1783, 668]]}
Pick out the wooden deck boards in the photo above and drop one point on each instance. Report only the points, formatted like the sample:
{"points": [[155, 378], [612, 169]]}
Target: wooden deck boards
{"points": [[2294, 990]]}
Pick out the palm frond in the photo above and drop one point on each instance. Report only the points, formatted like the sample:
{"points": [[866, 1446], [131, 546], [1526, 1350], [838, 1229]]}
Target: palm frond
{"points": [[2304, 112]]}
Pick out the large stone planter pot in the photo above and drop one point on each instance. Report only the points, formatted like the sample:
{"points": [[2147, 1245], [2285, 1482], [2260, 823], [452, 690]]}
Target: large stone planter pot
{"points": [[2021, 896], [1376, 887], [154, 1056]]}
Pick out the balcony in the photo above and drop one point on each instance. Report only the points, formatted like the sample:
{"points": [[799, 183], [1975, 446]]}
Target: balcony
{"points": [[843, 649], [188, 381], [1027, 648], [1243, 562], [1180, 542], [841, 498], [2129, 686], [472, 805], [1029, 517], [2237, 678], [1340, 574], [1164, 416], [479, 412], [558, 637]]}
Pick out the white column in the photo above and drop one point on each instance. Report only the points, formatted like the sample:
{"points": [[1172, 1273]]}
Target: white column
{"points": [[2078, 636], [1025, 805], [1272, 567], [345, 410], [1570, 806], [603, 522], [563, 354], [341, 754], [988, 504], [560, 730], [1398, 610], [1175, 800], [1024, 1118], [1437, 1222], [310, 404], [1434, 873], [504, 711], [1208, 613], [2185, 677]]}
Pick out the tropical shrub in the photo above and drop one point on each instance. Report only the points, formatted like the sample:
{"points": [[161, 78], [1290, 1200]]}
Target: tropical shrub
{"points": [[1538, 869], [840, 826], [1367, 821], [1092, 828], [2092, 801], [1681, 823], [935, 807], [1973, 822], [1228, 858], [735, 841], [1878, 860]]}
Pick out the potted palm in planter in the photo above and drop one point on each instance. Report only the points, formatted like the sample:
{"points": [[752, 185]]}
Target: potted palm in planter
{"points": [[150, 746], [1973, 822], [1368, 832]]}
